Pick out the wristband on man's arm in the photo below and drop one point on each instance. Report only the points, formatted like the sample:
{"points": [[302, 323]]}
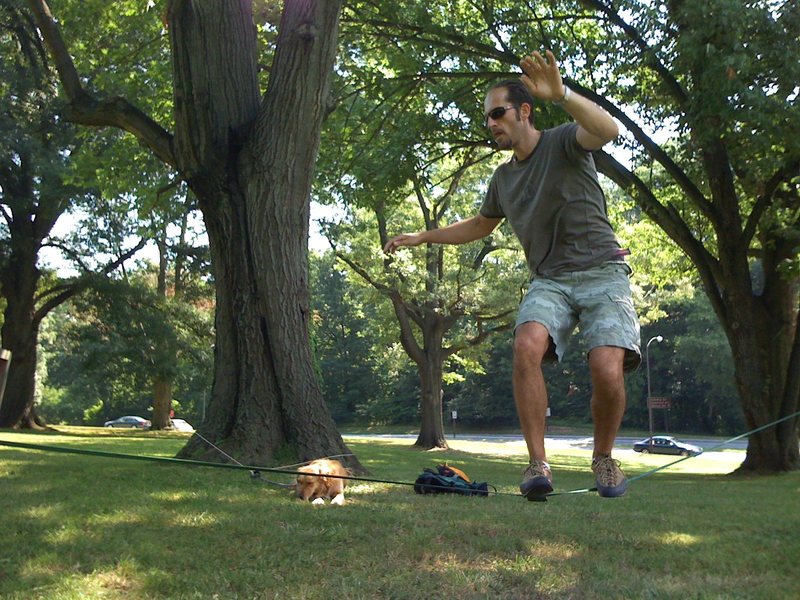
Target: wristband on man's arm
{"points": [[565, 98]]}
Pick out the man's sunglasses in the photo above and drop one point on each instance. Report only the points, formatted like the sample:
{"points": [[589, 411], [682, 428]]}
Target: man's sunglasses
{"points": [[497, 113]]}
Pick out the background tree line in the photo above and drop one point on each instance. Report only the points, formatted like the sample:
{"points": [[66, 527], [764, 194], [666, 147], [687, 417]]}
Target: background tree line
{"points": [[101, 353], [368, 380]]}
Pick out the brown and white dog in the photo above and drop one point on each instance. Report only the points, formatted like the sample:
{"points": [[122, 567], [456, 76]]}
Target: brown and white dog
{"points": [[316, 487]]}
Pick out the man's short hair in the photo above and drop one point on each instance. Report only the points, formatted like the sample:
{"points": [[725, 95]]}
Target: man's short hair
{"points": [[516, 93]]}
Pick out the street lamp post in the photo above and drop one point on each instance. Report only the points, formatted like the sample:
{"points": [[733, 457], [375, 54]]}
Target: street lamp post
{"points": [[656, 338]]}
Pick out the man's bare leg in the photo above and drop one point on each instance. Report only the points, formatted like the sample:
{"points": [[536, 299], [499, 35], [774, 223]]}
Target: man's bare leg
{"points": [[608, 396], [530, 393], [608, 406]]}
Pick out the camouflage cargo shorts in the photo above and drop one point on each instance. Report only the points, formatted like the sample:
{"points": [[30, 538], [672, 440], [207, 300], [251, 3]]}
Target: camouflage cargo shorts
{"points": [[597, 300]]}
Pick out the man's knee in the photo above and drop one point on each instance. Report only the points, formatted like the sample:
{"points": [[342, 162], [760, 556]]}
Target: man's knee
{"points": [[606, 364], [531, 342]]}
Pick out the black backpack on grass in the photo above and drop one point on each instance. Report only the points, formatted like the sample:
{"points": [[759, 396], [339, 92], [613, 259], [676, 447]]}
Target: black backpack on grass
{"points": [[447, 480]]}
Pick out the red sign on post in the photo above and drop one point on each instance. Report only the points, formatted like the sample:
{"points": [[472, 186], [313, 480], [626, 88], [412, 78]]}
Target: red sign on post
{"points": [[659, 402]]}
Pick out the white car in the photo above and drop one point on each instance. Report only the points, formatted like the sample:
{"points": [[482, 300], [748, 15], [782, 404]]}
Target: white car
{"points": [[181, 425]]}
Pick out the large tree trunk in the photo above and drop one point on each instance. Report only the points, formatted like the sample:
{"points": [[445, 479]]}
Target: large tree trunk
{"points": [[250, 164], [431, 432], [763, 333], [17, 411], [20, 334], [760, 320], [429, 364], [162, 402]]}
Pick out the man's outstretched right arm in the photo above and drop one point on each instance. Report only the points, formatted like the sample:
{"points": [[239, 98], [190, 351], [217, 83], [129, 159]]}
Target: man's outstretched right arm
{"points": [[459, 232]]}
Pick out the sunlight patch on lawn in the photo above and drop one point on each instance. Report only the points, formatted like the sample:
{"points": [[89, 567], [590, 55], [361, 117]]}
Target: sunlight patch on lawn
{"points": [[711, 463], [49, 578], [233, 498], [68, 535], [714, 463], [547, 564], [119, 517], [379, 442], [736, 585], [543, 570], [173, 496], [514, 448], [42, 511], [10, 467], [116, 580], [124, 579], [42, 567], [675, 538], [553, 551], [202, 519], [366, 488]]}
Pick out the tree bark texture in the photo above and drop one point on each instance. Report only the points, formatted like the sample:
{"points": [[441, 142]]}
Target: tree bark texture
{"points": [[250, 163], [764, 337], [162, 403], [20, 334], [429, 358], [431, 431], [31, 224]]}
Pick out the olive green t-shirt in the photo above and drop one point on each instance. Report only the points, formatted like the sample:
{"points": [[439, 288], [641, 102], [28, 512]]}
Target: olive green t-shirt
{"points": [[554, 204]]}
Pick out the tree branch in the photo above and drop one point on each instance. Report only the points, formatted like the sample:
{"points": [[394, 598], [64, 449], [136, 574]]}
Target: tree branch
{"points": [[654, 150], [70, 252], [381, 287], [445, 39], [487, 248], [60, 293], [649, 57], [402, 309], [423, 207], [87, 110], [477, 339], [765, 200], [6, 216], [383, 236], [455, 180], [668, 219]]}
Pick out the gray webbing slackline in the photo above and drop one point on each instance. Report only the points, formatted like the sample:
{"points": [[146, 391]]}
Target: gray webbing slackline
{"points": [[252, 469], [683, 458]]}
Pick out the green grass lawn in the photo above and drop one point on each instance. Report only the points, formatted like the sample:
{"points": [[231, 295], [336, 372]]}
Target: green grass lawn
{"points": [[76, 527]]}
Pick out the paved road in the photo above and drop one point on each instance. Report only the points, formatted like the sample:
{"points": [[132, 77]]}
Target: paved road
{"points": [[623, 442]]}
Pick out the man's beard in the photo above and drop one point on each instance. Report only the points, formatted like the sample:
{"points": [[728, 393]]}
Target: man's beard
{"points": [[503, 142]]}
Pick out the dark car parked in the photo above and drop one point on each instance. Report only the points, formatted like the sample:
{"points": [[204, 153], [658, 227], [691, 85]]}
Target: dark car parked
{"points": [[130, 421], [665, 444]]}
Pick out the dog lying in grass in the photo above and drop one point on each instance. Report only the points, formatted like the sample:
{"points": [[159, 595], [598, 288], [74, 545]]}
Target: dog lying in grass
{"points": [[316, 487]]}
